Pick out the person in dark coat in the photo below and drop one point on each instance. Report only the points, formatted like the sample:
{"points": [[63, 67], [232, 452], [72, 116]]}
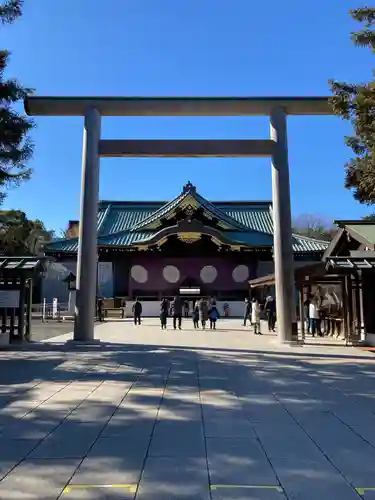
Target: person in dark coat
{"points": [[123, 308], [186, 308], [213, 315], [176, 308], [247, 311], [99, 305], [203, 311], [270, 308], [196, 315], [164, 306], [137, 311]]}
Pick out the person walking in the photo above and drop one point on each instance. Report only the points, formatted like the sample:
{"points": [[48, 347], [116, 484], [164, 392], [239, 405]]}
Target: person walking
{"points": [[213, 315], [196, 315], [270, 308], [137, 311], [203, 312], [314, 314], [176, 308], [99, 305], [255, 316], [306, 308], [247, 311], [186, 308], [123, 309], [164, 306], [226, 309]]}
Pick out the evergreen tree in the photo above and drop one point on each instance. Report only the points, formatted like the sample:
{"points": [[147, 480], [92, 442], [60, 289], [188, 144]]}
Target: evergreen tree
{"points": [[356, 102], [20, 235], [16, 148]]}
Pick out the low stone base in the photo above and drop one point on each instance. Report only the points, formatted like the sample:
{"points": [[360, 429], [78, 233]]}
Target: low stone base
{"points": [[83, 343]]}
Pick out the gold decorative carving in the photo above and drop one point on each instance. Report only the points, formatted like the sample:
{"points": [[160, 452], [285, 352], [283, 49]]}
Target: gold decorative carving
{"points": [[189, 237], [189, 210], [216, 241]]}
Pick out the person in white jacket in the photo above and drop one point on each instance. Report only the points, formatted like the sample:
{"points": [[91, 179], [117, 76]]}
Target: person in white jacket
{"points": [[255, 316], [314, 315]]}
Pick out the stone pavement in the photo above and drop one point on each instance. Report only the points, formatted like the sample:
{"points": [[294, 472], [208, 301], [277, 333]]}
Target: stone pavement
{"points": [[169, 415]]}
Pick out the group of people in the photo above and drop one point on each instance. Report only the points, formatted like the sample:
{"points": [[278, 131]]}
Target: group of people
{"points": [[323, 315], [204, 310], [252, 313]]}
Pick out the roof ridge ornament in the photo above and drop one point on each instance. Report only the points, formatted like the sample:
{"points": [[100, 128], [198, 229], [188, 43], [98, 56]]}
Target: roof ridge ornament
{"points": [[189, 188]]}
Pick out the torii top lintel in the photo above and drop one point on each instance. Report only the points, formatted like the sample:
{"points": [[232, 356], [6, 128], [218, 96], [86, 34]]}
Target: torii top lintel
{"points": [[176, 106]]}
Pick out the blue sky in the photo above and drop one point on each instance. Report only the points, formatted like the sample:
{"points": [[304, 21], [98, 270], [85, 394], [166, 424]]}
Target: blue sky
{"points": [[186, 47]]}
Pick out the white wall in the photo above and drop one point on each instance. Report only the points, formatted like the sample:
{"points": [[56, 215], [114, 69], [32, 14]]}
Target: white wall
{"points": [[54, 286]]}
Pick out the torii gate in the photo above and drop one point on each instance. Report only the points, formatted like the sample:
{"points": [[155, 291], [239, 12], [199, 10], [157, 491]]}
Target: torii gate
{"points": [[93, 108]]}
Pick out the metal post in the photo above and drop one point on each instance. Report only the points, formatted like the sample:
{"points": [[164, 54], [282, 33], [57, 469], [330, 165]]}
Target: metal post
{"points": [[86, 264], [282, 223]]}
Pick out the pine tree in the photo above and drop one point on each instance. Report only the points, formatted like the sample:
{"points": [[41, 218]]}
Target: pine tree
{"points": [[356, 103], [16, 148]]}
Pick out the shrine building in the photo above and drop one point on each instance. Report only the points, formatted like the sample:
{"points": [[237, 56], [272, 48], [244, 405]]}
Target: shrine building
{"points": [[188, 246]]}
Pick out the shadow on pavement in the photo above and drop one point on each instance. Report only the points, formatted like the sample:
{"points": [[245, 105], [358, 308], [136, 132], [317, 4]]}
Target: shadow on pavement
{"points": [[164, 422]]}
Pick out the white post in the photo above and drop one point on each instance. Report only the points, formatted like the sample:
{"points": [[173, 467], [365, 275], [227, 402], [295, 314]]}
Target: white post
{"points": [[44, 311], [54, 308]]}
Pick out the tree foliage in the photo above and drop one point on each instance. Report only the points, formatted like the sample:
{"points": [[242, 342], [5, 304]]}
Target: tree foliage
{"points": [[20, 235], [356, 103], [314, 226], [16, 147]]}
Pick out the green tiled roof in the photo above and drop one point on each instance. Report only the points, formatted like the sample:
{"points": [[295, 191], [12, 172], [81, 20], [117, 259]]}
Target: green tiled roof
{"points": [[367, 231], [169, 207], [120, 224]]}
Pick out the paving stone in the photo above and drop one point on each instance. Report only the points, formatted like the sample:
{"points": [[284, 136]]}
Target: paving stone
{"points": [[16, 449], [243, 493], [96, 492], [6, 466], [130, 444], [69, 440], [309, 480], [290, 441], [96, 470], [227, 428], [171, 479], [238, 461], [120, 427], [93, 411], [180, 411], [37, 479], [178, 439]]}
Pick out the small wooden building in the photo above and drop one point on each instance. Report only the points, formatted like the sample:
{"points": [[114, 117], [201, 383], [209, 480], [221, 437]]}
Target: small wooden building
{"points": [[347, 272]]}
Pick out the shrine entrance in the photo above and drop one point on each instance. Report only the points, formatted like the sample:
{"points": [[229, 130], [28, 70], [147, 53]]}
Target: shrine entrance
{"points": [[94, 147]]}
